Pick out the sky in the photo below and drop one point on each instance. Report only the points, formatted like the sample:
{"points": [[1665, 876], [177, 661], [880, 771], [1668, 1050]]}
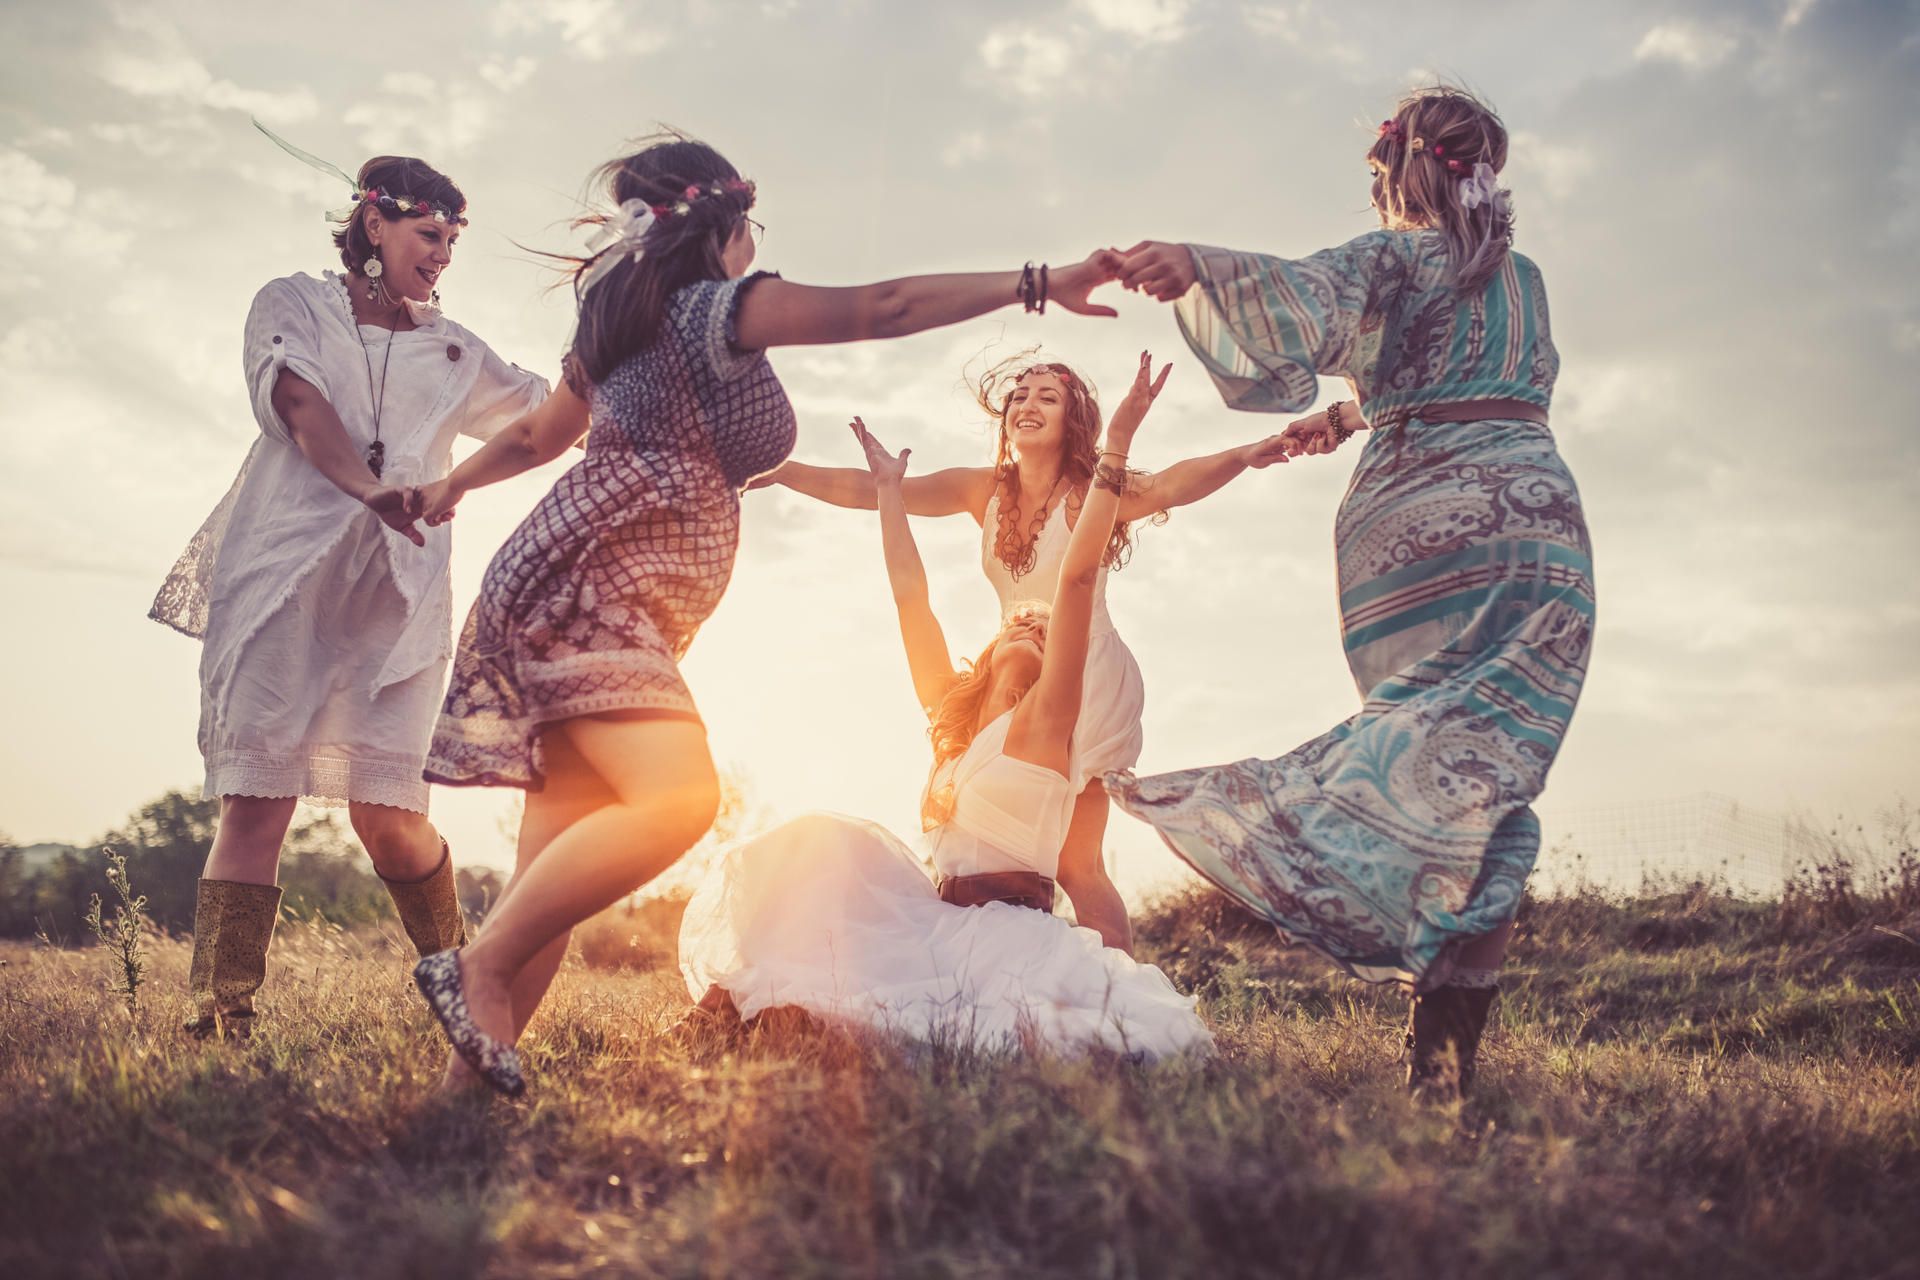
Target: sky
{"points": [[1724, 199]]}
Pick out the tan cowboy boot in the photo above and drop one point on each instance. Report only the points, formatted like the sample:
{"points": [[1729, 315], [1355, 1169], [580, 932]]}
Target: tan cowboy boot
{"points": [[430, 908], [232, 928]]}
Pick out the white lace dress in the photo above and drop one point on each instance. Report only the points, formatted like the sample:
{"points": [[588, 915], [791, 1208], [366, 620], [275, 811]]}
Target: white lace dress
{"points": [[1112, 694], [836, 916], [326, 633]]}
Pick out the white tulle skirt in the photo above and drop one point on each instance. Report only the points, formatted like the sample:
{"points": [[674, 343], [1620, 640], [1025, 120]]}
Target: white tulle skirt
{"points": [[835, 915]]}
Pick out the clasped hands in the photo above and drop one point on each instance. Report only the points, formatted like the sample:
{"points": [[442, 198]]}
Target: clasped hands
{"points": [[402, 507]]}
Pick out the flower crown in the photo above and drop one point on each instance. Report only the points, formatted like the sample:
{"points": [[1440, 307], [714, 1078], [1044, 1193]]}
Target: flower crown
{"points": [[1478, 182], [695, 192], [404, 205]]}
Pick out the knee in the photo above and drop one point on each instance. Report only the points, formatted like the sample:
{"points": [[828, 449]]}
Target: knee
{"points": [[692, 807], [395, 839]]}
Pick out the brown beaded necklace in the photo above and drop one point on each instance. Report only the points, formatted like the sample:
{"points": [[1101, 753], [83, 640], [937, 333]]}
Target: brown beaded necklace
{"points": [[1017, 553]]}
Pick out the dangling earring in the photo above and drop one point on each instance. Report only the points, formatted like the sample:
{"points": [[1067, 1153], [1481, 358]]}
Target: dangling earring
{"points": [[372, 269], [434, 298]]}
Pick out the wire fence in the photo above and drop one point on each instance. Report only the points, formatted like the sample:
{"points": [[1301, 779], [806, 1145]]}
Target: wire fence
{"points": [[1751, 851]]}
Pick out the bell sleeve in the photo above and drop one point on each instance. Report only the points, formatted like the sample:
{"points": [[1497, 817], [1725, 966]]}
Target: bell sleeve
{"points": [[1266, 328], [502, 393], [282, 333]]}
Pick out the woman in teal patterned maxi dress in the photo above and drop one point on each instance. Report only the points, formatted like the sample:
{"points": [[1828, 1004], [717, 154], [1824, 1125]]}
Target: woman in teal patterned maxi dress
{"points": [[1399, 842]]}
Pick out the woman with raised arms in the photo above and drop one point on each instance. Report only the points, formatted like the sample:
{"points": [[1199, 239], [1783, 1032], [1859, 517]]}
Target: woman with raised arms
{"points": [[835, 916], [567, 683], [1400, 841], [1027, 504]]}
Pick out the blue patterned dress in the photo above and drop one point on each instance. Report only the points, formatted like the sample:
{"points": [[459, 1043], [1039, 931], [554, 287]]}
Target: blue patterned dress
{"points": [[1466, 600]]}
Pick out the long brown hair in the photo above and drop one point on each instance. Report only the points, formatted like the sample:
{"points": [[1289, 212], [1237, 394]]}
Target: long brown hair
{"points": [[1079, 454], [1432, 141], [621, 315]]}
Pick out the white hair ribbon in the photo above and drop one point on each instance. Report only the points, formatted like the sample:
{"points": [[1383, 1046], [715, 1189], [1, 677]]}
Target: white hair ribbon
{"points": [[618, 237], [1483, 185]]}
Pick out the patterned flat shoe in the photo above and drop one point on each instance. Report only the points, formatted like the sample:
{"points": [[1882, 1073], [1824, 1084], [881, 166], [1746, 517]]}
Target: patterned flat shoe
{"points": [[438, 977]]}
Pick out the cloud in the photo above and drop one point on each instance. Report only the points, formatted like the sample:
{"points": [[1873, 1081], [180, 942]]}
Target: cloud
{"points": [[1149, 21], [162, 66], [1029, 60], [508, 76], [1688, 44], [417, 114], [592, 29], [32, 197]]}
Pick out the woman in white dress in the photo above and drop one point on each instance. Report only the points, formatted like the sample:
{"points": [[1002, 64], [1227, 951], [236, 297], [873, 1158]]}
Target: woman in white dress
{"points": [[1026, 504], [835, 916], [324, 607]]}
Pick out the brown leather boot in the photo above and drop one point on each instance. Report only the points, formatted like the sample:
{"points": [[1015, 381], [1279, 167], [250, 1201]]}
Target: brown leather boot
{"points": [[232, 928], [1443, 1035], [430, 908]]}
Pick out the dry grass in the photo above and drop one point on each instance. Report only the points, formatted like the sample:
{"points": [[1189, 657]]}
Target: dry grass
{"points": [[1678, 1086]]}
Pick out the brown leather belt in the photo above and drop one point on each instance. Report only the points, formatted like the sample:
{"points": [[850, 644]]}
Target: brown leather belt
{"points": [[1021, 888], [1462, 411]]}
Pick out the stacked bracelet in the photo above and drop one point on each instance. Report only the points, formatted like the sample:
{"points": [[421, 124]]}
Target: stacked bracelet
{"points": [[1033, 288], [1112, 479], [1340, 434]]}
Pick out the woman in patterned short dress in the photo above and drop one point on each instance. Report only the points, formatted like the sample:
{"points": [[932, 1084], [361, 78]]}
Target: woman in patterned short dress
{"points": [[567, 681], [1399, 842]]}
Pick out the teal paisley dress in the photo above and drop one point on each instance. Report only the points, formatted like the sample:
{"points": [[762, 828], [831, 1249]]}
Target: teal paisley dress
{"points": [[1466, 600]]}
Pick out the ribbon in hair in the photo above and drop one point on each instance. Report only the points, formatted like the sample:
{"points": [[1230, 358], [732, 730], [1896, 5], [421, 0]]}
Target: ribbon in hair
{"points": [[618, 238]]}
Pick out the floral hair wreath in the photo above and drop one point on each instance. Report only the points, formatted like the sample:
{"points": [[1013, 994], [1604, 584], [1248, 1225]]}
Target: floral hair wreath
{"points": [[405, 205], [1478, 182]]}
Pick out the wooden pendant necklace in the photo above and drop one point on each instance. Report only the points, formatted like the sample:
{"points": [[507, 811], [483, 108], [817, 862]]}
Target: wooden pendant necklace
{"points": [[377, 452]]}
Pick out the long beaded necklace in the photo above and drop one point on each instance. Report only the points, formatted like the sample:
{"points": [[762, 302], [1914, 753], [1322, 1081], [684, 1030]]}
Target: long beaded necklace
{"points": [[1024, 554], [377, 451]]}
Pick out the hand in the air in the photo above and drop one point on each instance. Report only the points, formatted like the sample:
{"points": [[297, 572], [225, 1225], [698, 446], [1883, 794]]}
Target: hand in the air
{"points": [[397, 509], [1163, 271], [437, 501], [1140, 396], [1069, 286], [887, 468]]}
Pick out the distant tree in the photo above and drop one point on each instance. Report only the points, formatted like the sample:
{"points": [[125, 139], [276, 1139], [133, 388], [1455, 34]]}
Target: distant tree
{"points": [[165, 842]]}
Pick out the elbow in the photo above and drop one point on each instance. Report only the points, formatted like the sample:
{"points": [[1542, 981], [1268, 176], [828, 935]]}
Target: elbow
{"points": [[1081, 578], [892, 312]]}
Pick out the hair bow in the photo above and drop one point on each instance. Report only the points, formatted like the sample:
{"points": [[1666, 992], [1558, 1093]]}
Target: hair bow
{"points": [[1483, 186], [619, 237]]}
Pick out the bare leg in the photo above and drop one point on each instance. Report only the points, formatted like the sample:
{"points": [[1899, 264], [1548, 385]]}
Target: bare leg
{"points": [[246, 845], [402, 844], [572, 792], [666, 797], [1083, 872]]}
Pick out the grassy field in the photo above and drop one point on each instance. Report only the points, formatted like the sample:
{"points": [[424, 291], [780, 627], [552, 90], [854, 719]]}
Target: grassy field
{"points": [[1680, 1084]]}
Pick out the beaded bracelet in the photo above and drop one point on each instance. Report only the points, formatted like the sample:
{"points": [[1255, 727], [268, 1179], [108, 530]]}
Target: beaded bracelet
{"points": [[1340, 434]]}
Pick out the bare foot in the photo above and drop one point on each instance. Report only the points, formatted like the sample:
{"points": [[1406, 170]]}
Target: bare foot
{"points": [[459, 1077]]}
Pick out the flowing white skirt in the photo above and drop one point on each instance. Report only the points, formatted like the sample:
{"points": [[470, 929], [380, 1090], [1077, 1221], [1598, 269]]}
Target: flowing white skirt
{"points": [[835, 915], [1107, 736]]}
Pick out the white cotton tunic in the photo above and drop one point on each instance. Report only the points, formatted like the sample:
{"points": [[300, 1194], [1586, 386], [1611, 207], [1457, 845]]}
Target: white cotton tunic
{"points": [[327, 634]]}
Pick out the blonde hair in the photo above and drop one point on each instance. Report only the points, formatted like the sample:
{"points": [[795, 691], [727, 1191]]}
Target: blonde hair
{"points": [[956, 720], [1432, 142]]}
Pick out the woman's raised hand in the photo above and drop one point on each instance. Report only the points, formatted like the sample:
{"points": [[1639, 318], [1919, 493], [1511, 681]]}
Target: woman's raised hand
{"points": [[1140, 396], [1164, 271], [398, 509], [437, 501], [1069, 286], [886, 467]]}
